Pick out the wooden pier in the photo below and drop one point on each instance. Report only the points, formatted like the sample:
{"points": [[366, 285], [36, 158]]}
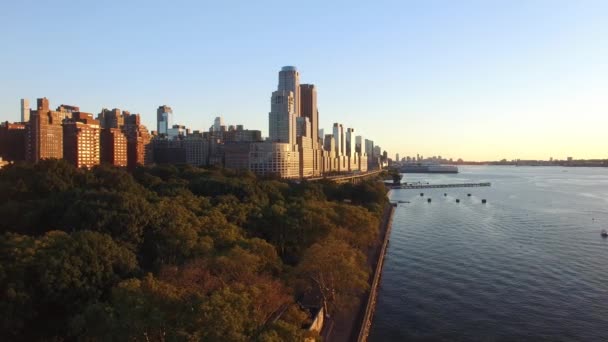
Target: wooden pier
{"points": [[437, 186]]}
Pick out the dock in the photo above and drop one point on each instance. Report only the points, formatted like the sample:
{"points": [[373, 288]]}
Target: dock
{"points": [[437, 186]]}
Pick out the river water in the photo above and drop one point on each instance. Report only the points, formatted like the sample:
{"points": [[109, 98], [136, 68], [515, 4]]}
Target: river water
{"points": [[530, 265]]}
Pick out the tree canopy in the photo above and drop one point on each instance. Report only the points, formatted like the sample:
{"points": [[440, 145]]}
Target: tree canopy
{"points": [[176, 252]]}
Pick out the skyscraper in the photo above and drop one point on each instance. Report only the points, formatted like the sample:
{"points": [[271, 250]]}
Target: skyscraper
{"points": [[339, 139], [349, 142], [282, 118], [308, 108], [25, 110], [289, 80], [359, 147], [218, 123], [164, 119]]}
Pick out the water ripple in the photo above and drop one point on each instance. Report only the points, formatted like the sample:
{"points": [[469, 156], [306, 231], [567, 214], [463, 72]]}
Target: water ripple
{"points": [[527, 266]]}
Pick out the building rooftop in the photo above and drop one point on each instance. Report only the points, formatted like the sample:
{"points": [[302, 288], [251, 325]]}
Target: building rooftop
{"points": [[289, 68]]}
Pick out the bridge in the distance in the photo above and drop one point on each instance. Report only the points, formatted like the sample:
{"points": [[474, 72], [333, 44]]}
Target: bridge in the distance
{"points": [[348, 178]]}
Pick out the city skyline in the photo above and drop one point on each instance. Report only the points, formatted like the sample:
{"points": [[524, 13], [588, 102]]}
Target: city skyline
{"points": [[471, 80]]}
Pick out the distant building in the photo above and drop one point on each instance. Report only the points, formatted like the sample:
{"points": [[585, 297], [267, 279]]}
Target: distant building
{"points": [[113, 145], [111, 118], [139, 149], [278, 159], [81, 140], [218, 123], [12, 141], [289, 81], [25, 110], [164, 119], [282, 118], [44, 137]]}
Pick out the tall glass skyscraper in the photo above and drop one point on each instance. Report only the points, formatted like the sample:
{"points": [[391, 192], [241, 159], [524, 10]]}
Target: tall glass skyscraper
{"points": [[164, 119]]}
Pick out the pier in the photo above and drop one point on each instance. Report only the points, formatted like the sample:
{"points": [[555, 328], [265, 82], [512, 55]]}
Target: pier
{"points": [[437, 186]]}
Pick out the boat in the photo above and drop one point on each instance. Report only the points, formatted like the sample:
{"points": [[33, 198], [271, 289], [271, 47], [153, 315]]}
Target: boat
{"points": [[403, 201], [428, 168], [604, 233]]}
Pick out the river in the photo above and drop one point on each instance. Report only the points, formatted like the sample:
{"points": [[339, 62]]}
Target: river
{"points": [[529, 265]]}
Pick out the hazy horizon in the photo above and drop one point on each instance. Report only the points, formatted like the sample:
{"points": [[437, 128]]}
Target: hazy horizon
{"points": [[472, 80]]}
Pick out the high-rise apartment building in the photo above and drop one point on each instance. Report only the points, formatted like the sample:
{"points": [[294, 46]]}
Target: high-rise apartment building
{"points": [[339, 139], [113, 146], [282, 118], [81, 140], [139, 149], [164, 119], [25, 110], [289, 80], [359, 147], [349, 142], [111, 118], [12, 141], [44, 137]]}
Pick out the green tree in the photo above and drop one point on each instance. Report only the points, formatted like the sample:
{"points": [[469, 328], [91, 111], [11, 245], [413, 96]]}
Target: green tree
{"points": [[337, 270]]}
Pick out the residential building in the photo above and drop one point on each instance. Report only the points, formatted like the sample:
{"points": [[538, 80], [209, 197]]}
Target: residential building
{"points": [[44, 133], [81, 140], [12, 141], [113, 146], [282, 118]]}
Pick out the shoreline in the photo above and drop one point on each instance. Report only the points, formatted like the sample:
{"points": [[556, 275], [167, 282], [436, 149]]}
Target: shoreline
{"points": [[362, 328]]}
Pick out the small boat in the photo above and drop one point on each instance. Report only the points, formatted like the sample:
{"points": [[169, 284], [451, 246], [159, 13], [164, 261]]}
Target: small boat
{"points": [[604, 233], [403, 201]]}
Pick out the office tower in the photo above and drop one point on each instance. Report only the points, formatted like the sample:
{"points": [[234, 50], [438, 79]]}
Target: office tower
{"points": [[282, 118], [12, 141], [113, 146], [81, 140], [44, 135], [397, 157], [164, 119], [289, 80], [218, 123], [25, 110], [308, 108], [321, 135]]}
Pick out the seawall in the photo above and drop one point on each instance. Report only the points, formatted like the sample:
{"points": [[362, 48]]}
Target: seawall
{"points": [[370, 305]]}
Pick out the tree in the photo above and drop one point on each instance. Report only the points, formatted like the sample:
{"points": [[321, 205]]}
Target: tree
{"points": [[58, 275], [337, 270]]}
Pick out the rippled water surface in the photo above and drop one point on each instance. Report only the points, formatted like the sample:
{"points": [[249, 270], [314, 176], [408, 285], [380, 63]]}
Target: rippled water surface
{"points": [[530, 265]]}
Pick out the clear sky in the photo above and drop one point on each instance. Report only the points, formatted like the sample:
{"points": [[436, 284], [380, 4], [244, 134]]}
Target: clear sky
{"points": [[473, 79]]}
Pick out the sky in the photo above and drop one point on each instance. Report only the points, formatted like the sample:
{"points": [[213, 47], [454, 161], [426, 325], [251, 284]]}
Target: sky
{"points": [[478, 80]]}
